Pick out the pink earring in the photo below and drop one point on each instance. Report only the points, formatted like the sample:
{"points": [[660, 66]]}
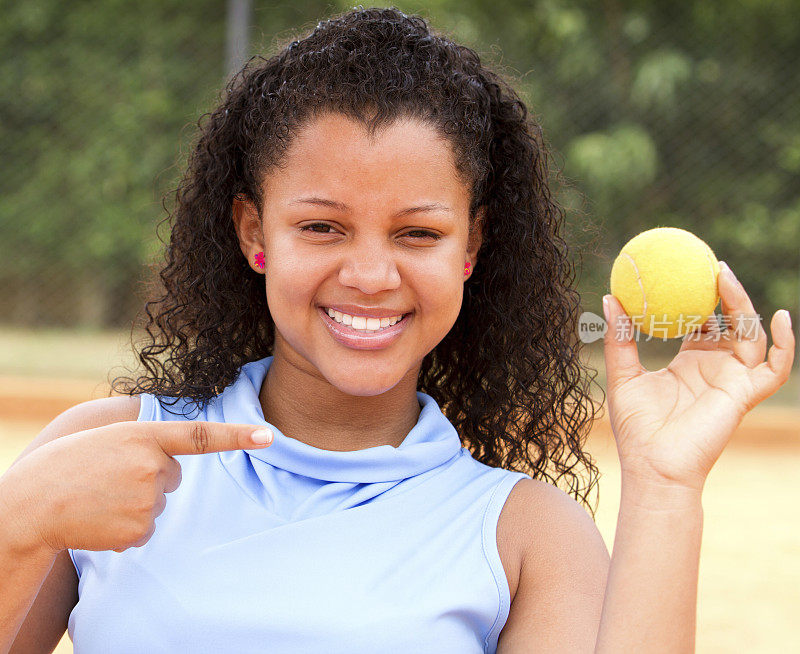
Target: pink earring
{"points": [[260, 259], [466, 267]]}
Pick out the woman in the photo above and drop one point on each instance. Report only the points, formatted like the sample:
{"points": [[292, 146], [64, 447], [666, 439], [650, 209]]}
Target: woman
{"points": [[366, 261]]}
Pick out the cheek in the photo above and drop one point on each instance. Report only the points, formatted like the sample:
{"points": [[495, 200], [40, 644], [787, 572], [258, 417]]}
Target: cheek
{"points": [[439, 288], [291, 285], [291, 269]]}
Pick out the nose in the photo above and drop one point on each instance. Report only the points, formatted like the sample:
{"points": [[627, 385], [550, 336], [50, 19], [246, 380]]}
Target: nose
{"points": [[370, 268]]}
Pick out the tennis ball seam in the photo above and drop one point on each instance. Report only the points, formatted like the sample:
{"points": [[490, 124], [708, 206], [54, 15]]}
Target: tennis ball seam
{"points": [[641, 284], [639, 280]]}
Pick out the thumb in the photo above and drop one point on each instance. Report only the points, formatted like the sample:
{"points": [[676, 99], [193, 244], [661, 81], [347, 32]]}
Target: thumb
{"points": [[619, 346], [201, 437]]}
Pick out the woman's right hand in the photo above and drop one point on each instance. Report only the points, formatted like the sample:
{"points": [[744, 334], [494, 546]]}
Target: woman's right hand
{"points": [[103, 488]]}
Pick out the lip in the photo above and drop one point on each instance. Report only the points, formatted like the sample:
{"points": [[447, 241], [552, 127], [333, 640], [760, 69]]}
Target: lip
{"points": [[360, 340]]}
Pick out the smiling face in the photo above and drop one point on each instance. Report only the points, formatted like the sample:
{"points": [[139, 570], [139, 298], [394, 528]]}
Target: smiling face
{"points": [[338, 230]]}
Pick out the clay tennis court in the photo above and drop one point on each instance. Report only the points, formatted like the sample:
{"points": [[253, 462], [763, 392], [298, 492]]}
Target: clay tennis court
{"points": [[749, 586]]}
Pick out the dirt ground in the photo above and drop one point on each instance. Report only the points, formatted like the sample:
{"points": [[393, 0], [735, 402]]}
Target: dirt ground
{"points": [[749, 586]]}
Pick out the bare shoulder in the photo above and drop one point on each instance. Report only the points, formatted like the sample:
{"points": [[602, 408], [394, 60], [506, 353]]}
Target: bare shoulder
{"points": [[87, 415], [526, 519], [102, 411], [561, 565]]}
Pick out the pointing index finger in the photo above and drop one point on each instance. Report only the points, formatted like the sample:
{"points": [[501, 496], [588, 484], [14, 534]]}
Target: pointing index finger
{"points": [[202, 437]]}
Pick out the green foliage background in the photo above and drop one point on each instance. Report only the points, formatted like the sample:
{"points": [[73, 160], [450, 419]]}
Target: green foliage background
{"points": [[658, 113]]}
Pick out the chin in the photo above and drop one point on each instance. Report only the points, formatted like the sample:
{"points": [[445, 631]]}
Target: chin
{"points": [[362, 387], [365, 378]]}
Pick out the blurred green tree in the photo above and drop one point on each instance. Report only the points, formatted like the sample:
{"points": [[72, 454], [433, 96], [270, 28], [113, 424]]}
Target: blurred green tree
{"points": [[682, 114]]}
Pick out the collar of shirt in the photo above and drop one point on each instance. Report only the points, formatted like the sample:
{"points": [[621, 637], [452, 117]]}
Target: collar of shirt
{"points": [[431, 442]]}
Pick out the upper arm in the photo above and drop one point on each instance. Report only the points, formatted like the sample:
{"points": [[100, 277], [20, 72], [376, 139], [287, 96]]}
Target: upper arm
{"points": [[47, 619], [563, 574]]}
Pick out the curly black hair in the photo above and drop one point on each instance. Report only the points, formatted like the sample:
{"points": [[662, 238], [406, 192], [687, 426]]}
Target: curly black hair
{"points": [[508, 374]]}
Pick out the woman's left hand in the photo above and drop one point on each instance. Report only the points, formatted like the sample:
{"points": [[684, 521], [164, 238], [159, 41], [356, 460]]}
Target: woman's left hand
{"points": [[672, 424]]}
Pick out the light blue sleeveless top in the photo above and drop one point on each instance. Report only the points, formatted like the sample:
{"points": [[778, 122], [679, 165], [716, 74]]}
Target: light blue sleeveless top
{"points": [[297, 549]]}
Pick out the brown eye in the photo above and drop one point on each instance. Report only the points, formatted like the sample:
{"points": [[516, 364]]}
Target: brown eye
{"points": [[425, 234], [416, 233], [307, 228]]}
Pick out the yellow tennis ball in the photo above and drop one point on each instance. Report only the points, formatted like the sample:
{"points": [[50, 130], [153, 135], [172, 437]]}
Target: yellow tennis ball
{"points": [[666, 279]]}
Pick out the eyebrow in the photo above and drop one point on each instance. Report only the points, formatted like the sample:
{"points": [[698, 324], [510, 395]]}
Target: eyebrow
{"points": [[333, 204]]}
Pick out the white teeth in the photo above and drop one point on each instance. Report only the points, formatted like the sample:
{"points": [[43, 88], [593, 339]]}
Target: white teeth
{"points": [[362, 322]]}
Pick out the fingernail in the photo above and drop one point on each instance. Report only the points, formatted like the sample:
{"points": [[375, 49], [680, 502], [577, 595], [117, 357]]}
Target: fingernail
{"points": [[726, 267], [788, 317], [262, 436], [605, 307]]}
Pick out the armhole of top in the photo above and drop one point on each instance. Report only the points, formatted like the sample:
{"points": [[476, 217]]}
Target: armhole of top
{"points": [[491, 517], [147, 405], [72, 556]]}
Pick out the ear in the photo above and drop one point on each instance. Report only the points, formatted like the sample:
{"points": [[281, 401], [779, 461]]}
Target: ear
{"points": [[476, 236], [247, 223]]}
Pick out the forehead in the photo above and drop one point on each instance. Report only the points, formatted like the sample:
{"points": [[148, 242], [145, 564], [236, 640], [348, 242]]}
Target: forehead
{"points": [[334, 154]]}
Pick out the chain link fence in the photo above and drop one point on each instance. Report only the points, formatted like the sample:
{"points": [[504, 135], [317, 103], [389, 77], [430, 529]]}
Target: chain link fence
{"points": [[680, 114]]}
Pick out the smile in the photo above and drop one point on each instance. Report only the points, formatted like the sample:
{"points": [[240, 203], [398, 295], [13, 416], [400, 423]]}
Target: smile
{"points": [[363, 322], [364, 333]]}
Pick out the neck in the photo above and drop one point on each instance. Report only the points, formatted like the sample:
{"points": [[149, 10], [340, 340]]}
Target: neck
{"points": [[308, 408]]}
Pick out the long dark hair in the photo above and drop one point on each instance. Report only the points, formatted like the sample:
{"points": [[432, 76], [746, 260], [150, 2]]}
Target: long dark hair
{"points": [[508, 374]]}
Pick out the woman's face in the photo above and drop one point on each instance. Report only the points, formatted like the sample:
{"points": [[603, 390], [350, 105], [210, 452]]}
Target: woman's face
{"points": [[365, 227]]}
